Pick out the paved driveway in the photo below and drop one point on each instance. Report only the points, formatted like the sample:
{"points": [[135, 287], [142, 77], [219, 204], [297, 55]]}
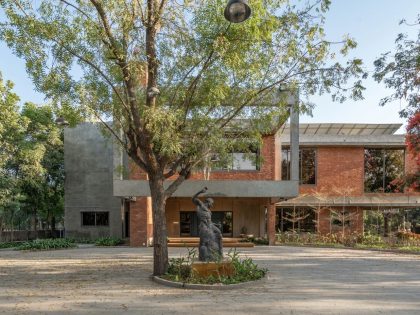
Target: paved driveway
{"points": [[301, 281]]}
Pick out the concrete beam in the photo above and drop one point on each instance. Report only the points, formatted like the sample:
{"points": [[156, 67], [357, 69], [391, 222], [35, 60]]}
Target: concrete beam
{"points": [[342, 140], [217, 188]]}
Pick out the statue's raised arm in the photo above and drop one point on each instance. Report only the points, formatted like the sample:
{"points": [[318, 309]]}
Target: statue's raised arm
{"points": [[195, 199]]}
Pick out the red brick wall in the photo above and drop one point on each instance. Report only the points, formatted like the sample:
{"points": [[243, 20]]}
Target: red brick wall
{"points": [[339, 170], [355, 218], [140, 211], [269, 170]]}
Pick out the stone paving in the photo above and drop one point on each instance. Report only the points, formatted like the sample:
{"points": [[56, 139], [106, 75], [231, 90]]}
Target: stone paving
{"points": [[301, 281]]}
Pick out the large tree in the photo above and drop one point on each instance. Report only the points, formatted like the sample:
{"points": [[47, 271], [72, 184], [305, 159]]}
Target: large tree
{"points": [[400, 71], [31, 163], [175, 75]]}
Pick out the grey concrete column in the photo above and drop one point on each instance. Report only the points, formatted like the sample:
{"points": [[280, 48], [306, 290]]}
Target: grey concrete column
{"points": [[294, 138]]}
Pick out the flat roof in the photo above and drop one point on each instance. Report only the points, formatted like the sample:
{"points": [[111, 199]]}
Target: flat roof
{"points": [[367, 201], [343, 129]]}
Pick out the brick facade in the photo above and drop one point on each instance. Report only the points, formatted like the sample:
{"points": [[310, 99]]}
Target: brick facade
{"points": [[140, 211], [339, 173]]}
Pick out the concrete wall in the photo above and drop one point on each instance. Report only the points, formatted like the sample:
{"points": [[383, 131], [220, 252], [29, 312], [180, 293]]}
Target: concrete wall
{"points": [[88, 163]]}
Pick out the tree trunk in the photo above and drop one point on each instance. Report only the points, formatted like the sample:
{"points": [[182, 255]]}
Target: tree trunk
{"points": [[52, 225], [160, 243], [386, 225]]}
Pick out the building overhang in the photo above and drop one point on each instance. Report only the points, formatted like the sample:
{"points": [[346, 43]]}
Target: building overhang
{"points": [[343, 140], [367, 202], [216, 188]]}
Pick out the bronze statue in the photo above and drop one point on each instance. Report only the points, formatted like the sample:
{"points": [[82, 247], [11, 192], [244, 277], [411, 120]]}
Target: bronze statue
{"points": [[211, 248]]}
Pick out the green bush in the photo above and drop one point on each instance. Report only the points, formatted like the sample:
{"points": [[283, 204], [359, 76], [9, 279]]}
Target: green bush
{"points": [[370, 239], [46, 244], [255, 240], [82, 240], [180, 270], [9, 244], [108, 241]]}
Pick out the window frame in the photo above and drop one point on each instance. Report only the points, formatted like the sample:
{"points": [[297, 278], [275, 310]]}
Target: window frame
{"points": [[287, 148], [230, 166], [384, 173], [96, 219]]}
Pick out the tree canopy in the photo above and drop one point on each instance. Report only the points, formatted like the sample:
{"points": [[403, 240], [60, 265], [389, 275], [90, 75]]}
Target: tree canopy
{"points": [[176, 77], [31, 163], [400, 72]]}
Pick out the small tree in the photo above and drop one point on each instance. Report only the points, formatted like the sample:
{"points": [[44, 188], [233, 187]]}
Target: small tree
{"points": [[175, 76], [343, 216], [318, 206], [296, 216]]}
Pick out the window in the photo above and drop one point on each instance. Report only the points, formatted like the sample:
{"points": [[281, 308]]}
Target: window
{"points": [[307, 165], [238, 160], [383, 168], [95, 218], [244, 161], [298, 219]]}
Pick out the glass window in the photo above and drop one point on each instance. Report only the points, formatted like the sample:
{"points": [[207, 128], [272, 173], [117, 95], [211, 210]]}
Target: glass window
{"points": [[244, 161], [298, 219], [383, 169], [237, 160], [307, 165], [95, 218]]}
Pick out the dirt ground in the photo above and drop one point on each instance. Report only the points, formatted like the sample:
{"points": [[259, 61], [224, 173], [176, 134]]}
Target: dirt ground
{"points": [[300, 281]]}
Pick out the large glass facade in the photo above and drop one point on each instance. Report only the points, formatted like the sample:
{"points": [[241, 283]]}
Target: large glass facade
{"points": [[383, 169], [307, 165]]}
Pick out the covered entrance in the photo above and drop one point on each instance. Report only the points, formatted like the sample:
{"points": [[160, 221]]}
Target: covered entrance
{"points": [[189, 223]]}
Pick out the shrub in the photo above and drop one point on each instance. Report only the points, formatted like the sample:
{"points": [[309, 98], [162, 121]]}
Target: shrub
{"points": [[9, 244], [407, 235], [82, 240], [46, 244], [180, 270], [108, 241], [370, 239], [255, 240]]}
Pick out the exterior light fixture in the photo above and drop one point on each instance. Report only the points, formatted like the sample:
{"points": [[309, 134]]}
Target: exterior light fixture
{"points": [[60, 121], [237, 11]]}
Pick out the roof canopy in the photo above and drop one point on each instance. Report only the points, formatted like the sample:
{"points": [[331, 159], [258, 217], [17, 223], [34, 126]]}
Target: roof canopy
{"points": [[345, 129], [373, 202]]}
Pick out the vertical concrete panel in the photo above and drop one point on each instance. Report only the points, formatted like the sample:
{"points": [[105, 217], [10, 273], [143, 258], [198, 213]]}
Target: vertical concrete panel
{"points": [[88, 164]]}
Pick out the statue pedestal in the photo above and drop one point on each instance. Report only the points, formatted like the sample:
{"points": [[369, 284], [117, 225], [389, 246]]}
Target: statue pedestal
{"points": [[204, 269]]}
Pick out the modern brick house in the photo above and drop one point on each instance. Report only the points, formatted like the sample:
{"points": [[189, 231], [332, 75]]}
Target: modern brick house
{"points": [[337, 168], [346, 169]]}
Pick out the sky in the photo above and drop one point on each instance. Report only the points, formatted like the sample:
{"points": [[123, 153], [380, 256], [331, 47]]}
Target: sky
{"points": [[374, 24]]}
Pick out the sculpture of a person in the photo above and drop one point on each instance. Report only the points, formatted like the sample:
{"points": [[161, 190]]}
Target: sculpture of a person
{"points": [[210, 248]]}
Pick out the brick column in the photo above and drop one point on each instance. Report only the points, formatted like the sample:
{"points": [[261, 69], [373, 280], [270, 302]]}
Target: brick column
{"points": [[271, 223], [139, 212]]}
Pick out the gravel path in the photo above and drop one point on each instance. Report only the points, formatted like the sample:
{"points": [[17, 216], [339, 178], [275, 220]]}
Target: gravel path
{"points": [[301, 281]]}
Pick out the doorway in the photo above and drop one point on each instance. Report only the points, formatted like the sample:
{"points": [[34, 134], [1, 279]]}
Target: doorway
{"points": [[189, 223]]}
